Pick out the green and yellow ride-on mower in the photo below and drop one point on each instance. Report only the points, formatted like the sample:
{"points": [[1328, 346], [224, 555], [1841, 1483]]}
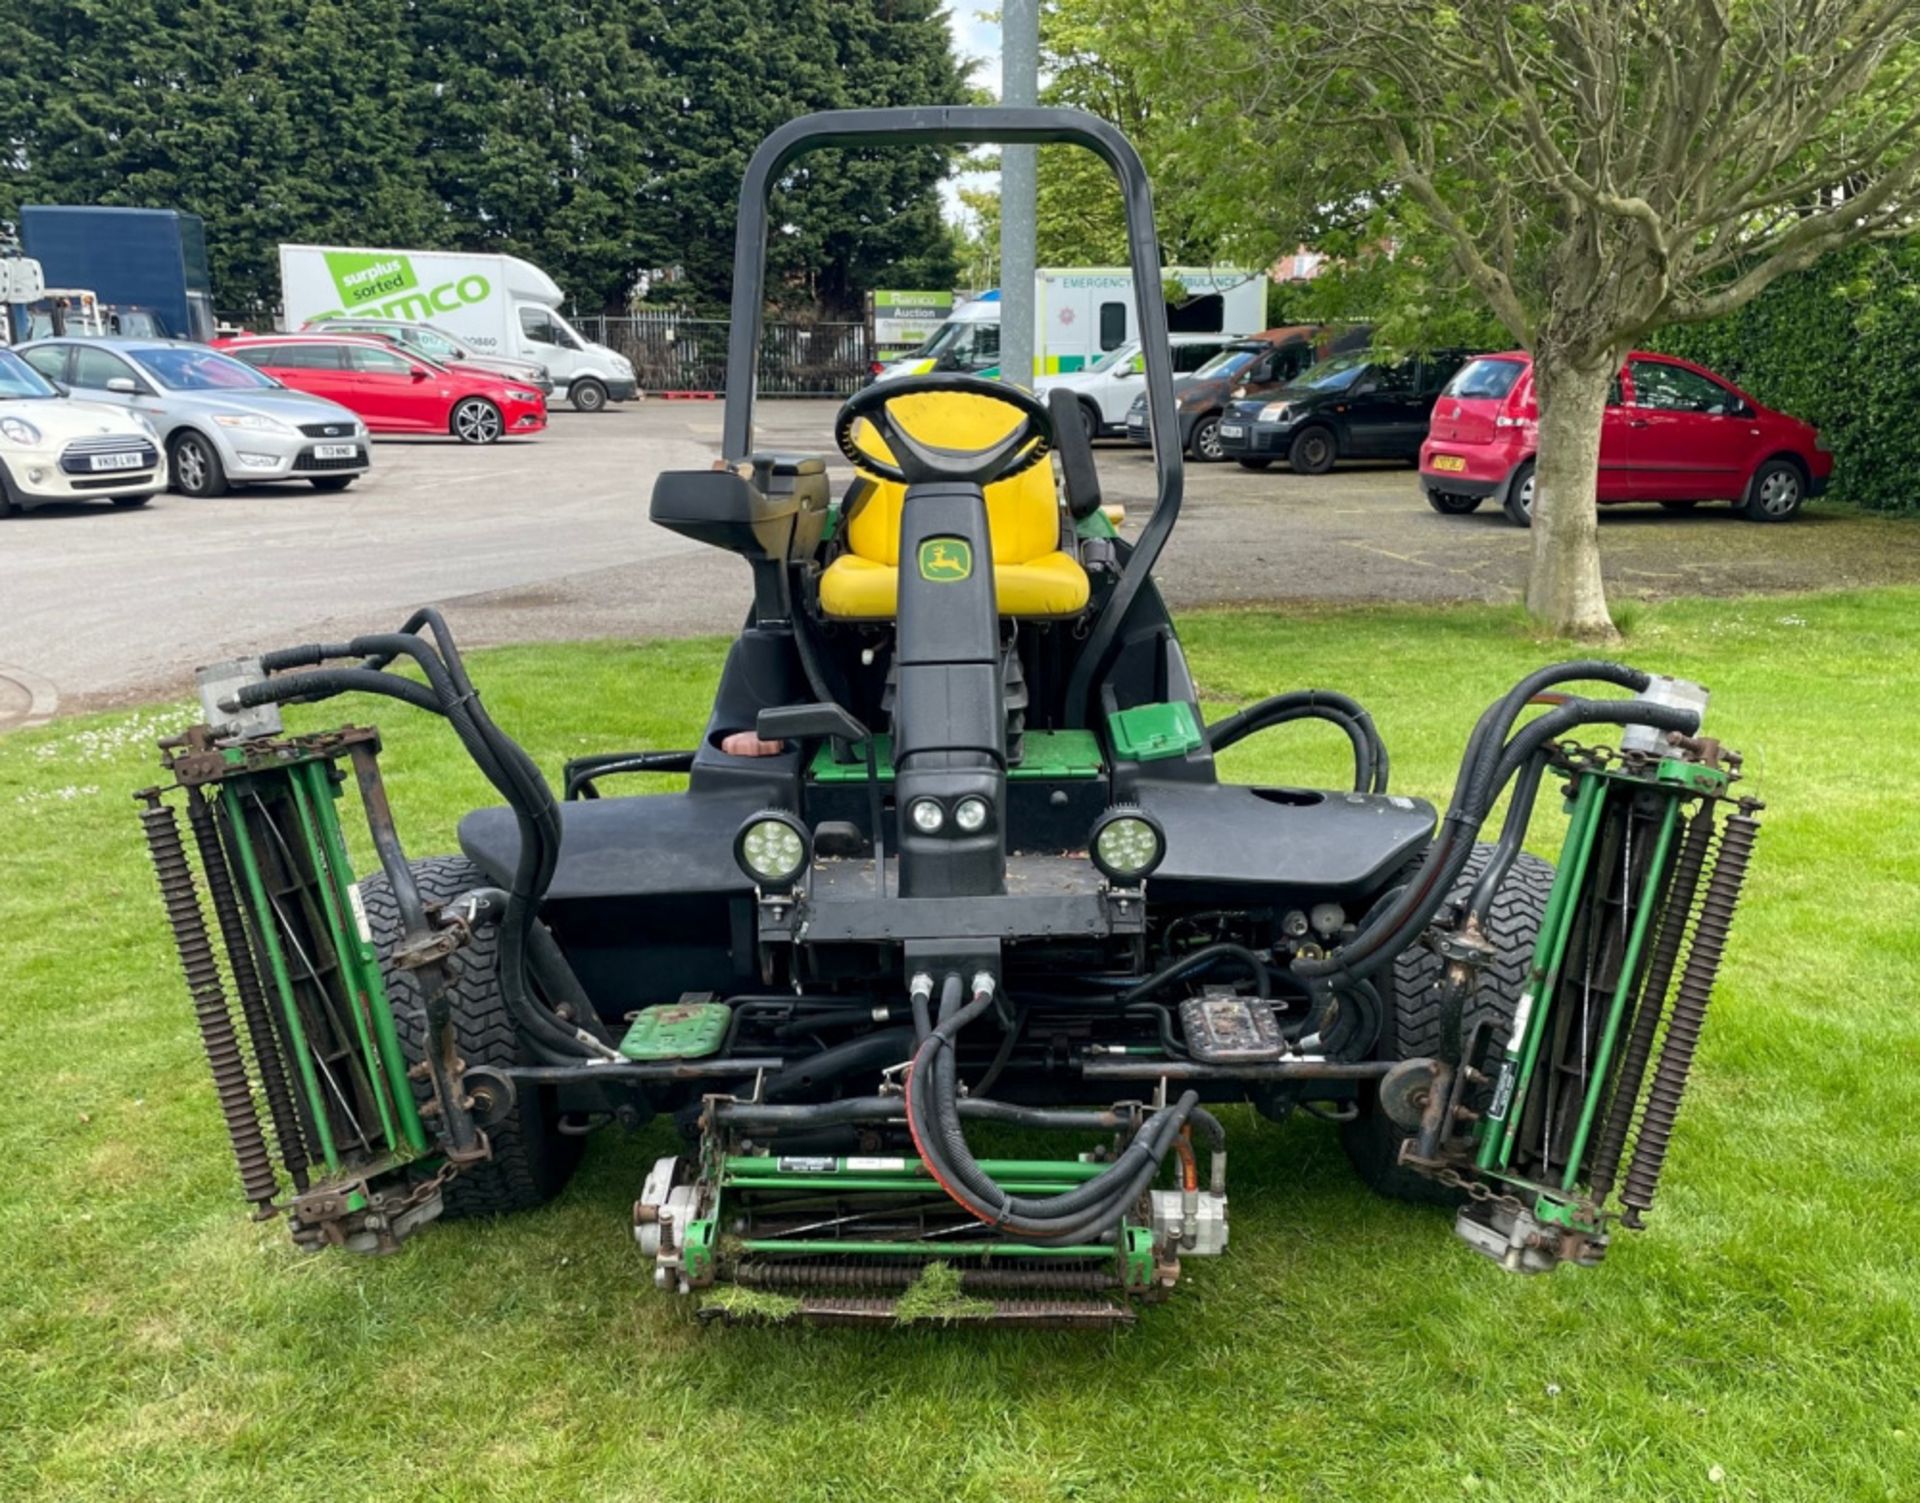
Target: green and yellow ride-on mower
{"points": [[954, 939]]}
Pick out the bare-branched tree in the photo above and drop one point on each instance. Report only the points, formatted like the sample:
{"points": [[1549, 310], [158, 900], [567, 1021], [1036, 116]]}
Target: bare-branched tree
{"points": [[1596, 168]]}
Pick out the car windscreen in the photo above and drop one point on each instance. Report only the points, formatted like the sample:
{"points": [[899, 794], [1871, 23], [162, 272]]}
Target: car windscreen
{"points": [[1230, 361], [1484, 379], [200, 370], [1333, 375], [1114, 358], [20, 382]]}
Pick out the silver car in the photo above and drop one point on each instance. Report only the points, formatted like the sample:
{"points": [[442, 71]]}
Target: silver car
{"points": [[223, 422]]}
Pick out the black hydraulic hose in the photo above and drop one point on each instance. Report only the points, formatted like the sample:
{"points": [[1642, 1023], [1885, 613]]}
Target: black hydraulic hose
{"points": [[1513, 831], [1370, 763], [505, 764], [871, 1051], [326, 682], [1489, 764], [1072, 1216], [1206, 954]]}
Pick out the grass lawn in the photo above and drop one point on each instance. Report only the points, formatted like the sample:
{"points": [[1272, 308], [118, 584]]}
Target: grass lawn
{"points": [[1761, 1340]]}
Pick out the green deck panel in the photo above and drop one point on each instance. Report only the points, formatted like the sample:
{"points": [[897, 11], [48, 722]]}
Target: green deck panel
{"points": [[678, 1030], [1055, 755], [1152, 733]]}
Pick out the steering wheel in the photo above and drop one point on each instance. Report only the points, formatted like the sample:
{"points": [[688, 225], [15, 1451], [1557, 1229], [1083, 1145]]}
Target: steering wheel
{"points": [[917, 463]]}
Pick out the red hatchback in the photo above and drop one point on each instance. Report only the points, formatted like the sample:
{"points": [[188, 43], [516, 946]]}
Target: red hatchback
{"points": [[1673, 433], [392, 390]]}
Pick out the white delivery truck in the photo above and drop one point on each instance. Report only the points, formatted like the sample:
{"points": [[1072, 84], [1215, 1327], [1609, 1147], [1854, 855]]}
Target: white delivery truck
{"points": [[1081, 313], [500, 305]]}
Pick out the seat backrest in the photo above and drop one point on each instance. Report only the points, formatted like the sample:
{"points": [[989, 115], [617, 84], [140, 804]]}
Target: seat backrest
{"points": [[1023, 514]]}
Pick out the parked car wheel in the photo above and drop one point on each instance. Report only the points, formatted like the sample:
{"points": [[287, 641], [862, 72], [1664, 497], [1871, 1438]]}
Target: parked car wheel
{"points": [[1313, 452], [1519, 502], [130, 502], [332, 482], [1254, 464], [1205, 443], [1775, 493], [477, 421], [1450, 504], [1090, 420], [197, 470], [8, 506], [587, 395]]}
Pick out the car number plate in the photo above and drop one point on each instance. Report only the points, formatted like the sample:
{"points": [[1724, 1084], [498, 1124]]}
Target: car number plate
{"points": [[336, 451], [116, 462], [1451, 463], [1232, 430]]}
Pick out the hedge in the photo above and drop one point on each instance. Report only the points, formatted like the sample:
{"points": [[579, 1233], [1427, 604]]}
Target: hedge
{"points": [[1838, 345]]}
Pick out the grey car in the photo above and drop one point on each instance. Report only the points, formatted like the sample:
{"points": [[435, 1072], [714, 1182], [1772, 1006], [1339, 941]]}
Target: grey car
{"points": [[438, 346], [222, 421]]}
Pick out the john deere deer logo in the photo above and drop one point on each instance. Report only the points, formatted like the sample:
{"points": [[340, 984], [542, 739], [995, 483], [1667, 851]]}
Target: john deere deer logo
{"points": [[945, 559]]}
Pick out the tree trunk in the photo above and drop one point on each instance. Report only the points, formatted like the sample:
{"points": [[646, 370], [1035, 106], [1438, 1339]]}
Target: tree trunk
{"points": [[1564, 592]]}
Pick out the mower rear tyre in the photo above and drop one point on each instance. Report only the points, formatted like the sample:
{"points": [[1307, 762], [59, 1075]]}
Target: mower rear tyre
{"points": [[532, 1159], [1411, 1027]]}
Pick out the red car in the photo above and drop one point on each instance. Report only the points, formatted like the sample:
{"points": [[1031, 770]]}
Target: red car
{"points": [[392, 390], [1673, 433]]}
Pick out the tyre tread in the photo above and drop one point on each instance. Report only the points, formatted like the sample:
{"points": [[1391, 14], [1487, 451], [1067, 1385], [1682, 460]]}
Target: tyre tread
{"points": [[531, 1160]]}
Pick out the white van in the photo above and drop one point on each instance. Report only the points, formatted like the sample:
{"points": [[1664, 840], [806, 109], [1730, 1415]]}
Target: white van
{"points": [[500, 305], [1082, 314]]}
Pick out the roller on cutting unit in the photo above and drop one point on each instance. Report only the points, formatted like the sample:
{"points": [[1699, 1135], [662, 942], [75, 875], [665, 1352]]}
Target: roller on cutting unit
{"points": [[944, 959]]}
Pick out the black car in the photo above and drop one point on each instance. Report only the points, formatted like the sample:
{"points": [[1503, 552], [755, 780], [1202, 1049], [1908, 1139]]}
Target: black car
{"points": [[1247, 367], [1353, 406]]}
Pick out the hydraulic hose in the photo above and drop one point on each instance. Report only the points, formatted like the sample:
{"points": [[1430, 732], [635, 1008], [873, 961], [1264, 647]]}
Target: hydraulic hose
{"points": [[1089, 1210], [450, 693], [1206, 954], [1370, 763], [1491, 761]]}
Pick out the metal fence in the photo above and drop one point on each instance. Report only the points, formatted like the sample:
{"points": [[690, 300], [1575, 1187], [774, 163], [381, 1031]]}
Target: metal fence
{"points": [[674, 353]]}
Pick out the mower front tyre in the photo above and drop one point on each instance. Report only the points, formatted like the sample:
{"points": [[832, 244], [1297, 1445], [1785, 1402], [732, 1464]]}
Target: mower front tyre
{"points": [[532, 1159], [1413, 1023]]}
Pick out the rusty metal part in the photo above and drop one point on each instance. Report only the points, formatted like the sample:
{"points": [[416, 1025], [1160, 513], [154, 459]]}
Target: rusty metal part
{"points": [[269, 1062], [776, 1275], [1690, 1001], [1651, 1008], [230, 1083]]}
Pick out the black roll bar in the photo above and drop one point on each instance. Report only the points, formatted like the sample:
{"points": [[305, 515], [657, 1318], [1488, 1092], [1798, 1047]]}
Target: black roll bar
{"points": [[957, 126]]}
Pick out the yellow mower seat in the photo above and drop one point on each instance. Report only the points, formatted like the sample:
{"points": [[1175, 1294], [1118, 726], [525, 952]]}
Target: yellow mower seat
{"points": [[1032, 575]]}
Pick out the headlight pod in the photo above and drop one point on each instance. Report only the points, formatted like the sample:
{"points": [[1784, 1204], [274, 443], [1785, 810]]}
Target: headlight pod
{"points": [[252, 422], [1126, 843], [519, 395], [19, 431], [970, 815], [771, 848], [1275, 412], [926, 816]]}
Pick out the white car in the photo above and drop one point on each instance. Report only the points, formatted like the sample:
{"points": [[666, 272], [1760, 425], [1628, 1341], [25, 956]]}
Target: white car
{"points": [[53, 448], [1107, 388]]}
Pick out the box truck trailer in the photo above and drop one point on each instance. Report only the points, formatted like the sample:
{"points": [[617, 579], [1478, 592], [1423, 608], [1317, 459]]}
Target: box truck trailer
{"points": [[500, 305], [146, 268], [1081, 313]]}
